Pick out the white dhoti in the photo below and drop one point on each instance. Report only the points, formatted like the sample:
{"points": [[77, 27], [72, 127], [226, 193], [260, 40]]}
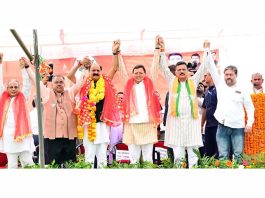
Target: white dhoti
{"points": [[97, 148]]}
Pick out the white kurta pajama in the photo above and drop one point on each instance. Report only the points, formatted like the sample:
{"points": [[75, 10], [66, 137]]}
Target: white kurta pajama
{"points": [[97, 148], [139, 133], [183, 131], [24, 150]]}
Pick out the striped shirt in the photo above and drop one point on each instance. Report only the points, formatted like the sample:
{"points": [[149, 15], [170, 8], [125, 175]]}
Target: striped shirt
{"points": [[182, 130]]}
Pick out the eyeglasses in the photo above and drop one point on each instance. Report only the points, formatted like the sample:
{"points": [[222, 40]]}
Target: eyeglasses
{"points": [[13, 87]]}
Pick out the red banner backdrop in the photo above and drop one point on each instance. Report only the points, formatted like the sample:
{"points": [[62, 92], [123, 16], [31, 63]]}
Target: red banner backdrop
{"points": [[63, 66]]}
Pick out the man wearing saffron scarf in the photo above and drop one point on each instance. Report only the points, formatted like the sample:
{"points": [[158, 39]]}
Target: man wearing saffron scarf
{"points": [[97, 110], [183, 129], [59, 120], [15, 131], [141, 112]]}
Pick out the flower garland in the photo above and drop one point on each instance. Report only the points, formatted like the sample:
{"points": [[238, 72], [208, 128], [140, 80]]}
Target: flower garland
{"points": [[255, 141], [96, 93], [87, 113]]}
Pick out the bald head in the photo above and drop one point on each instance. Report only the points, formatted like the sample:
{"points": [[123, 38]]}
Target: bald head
{"points": [[13, 87], [58, 83], [257, 80]]}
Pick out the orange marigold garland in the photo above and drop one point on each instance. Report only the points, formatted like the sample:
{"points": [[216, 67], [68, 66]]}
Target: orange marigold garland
{"points": [[87, 114], [255, 141]]}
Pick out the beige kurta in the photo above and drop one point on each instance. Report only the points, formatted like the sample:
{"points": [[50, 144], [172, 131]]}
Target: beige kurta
{"points": [[139, 133], [139, 130]]}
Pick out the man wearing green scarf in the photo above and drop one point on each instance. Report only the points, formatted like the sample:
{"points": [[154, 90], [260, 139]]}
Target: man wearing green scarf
{"points": [[183, 129]]}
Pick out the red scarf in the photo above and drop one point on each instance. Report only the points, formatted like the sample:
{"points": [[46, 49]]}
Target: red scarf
{"points": [[21, 115], [110, 113], [152, 100]]}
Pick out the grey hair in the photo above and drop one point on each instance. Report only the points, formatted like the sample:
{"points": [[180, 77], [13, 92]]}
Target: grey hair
{"points": [[256, 74], [13, 80], [231, 67]]}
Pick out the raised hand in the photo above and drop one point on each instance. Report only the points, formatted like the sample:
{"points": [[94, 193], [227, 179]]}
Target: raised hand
{"points": [[161, 43], [206, 44], [157, 46], [86, 62], [23, 62], [116, 46]]}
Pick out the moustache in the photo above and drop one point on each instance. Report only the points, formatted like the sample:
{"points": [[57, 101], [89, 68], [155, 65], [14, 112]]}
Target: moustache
{"points": [[255, 84], [95, 74], [182, 74]]}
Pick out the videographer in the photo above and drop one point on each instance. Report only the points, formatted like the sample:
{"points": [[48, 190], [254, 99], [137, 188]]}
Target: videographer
{"points": [[194, 63]]}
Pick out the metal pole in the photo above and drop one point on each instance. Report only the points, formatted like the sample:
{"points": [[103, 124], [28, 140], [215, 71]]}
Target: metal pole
{"points": [[22, 45], [37, 78]]}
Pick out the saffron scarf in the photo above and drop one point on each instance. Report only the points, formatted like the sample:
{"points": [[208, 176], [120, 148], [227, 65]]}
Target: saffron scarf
{"points": [[110, 113], [21, 115], [175, 95], [152, 101]]}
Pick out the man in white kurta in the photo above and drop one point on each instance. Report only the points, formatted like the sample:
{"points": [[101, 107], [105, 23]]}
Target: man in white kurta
{"points": [[98, 147], [183, 131], [25, 148], [141, 111], [140, 133]]}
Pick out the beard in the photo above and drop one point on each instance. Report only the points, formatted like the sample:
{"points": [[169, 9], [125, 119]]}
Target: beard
{"points": [[230, 82]]}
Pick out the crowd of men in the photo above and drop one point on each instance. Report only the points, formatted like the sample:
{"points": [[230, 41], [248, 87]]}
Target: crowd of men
{"points": [[203, 110]]}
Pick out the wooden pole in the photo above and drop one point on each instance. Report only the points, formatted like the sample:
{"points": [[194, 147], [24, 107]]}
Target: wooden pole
{"points": [[22, 45], [37, 77]]}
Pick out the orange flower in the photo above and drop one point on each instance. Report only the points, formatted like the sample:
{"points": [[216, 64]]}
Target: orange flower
{"points": [[255, 141], [229, 164], [184, 165], [217, 163]]}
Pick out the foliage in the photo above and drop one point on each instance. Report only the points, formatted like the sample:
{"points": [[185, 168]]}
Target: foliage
{"points": [[254, 161], [211, 162], [250, 161], [80, 164], [138, 165]]}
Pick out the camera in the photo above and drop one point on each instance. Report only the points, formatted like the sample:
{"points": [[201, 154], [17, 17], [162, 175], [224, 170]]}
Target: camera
{"points": [[192, 65]]}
